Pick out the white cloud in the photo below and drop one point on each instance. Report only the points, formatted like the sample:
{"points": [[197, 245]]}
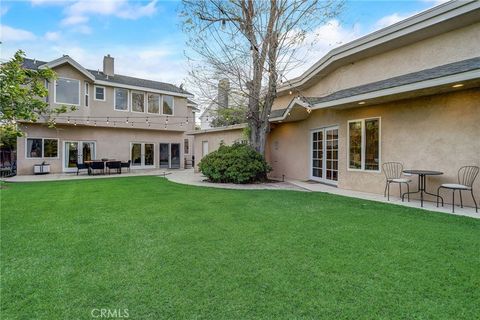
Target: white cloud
{"points": [[71, 20], [52, 36], [320, 41], [391, 19], [12, 34], [83, 29], [435, 2], [79, 11]]}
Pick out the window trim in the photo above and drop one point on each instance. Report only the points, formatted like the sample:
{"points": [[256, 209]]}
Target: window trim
{"points": [[79, 92], [95, 93], [173, 106], [187, 144], [87, 94], [131, 101], [362, 156], [43, 148], [160, 104], [115, 100]]}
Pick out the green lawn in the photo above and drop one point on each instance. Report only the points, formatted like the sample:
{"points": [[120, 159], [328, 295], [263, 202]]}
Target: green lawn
{"points": [[169, 251]]}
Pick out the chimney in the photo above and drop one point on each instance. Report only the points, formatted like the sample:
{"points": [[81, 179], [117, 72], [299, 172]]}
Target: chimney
{"points": [[108, 65], [222, 95]]}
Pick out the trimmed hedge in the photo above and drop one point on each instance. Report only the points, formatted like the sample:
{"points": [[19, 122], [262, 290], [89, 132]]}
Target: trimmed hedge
{"points": [[238, 163]]}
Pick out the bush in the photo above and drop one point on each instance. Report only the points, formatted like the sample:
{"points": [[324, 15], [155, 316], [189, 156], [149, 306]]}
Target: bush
{"points": [[238, 163]]}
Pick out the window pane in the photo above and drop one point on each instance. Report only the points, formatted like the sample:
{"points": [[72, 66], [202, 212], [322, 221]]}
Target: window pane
{"points": [[138, 101], [99, 93], [121, 99], [149, 154], [87, 91], [67, 91], [185, 146], [153, 103], [168, 105], [355, 143], [34, 148], [371, 144], [50, 148], [136, 154]]}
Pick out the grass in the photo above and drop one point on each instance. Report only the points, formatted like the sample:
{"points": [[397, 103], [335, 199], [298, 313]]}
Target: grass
{"points": [[169, 251]]}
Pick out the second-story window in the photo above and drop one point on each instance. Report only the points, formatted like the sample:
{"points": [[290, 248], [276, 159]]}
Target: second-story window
{"points": [[153, 103], [87, 93], [138, 101], [167, 105], [121, 99], [67, 91]]}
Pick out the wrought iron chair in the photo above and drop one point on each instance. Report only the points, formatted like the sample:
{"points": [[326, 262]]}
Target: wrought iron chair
{"points": [[466, 178], [126, 165], [98, 165], [393, 172], [81, 166]]}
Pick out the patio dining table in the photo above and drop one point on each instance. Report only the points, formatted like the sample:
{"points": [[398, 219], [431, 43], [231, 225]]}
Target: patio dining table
{"points": [[422, 183]]}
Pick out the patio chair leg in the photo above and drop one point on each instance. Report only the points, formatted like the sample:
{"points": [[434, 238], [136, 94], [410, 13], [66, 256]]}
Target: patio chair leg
{"points": [[388, 192], [438, 196], [385, 191], [453, 201], [408, 192], [400, 188], [461, 201], [476, 208]]}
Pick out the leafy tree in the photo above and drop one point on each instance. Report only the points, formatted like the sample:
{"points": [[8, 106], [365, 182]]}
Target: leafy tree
{"points": [[229, 116], [22, 96], [252, 43]]}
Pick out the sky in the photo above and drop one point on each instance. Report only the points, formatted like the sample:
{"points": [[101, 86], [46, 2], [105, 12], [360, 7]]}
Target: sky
{"points": [[145, 37]]}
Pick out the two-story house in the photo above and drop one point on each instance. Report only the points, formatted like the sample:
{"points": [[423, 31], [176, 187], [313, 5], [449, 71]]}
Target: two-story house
{"points": [[115, 117]]}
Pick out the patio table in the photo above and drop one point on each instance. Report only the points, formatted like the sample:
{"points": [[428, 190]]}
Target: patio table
{"points": [[422, 183]]}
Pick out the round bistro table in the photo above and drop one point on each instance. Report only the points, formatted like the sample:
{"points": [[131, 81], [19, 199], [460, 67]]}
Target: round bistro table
{"points": [[422, 183]]}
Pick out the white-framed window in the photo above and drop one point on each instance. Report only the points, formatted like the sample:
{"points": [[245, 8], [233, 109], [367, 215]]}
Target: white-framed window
{"points": [[41, 148], [167, 105], [363, 150], [138, 101], [47, 97], [67, 91], [153, 103], [121, 99], [87, 93], [99, 93]]}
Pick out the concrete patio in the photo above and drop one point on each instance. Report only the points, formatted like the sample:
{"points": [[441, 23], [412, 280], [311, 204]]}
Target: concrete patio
{"points": [[189, 177]]}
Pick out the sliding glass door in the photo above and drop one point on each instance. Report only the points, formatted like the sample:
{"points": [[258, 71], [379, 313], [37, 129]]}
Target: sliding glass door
{"points": [[77, 152], [324, 155], [170, 156], [142, 155]]}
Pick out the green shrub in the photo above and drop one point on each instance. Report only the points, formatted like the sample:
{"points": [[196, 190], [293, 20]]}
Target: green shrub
{"points": [[238, 163]]}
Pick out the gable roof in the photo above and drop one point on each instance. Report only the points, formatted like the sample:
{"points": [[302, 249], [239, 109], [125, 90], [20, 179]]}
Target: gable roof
{"points": [[465, 70], [99, 77], [440, 19]]}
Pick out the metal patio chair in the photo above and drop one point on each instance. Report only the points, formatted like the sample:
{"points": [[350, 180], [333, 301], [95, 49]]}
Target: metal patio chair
{"points": [[466, 178], [393, 172]]}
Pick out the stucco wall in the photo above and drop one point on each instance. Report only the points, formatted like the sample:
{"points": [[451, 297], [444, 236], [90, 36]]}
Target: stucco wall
{"points": [[110, 143], [450, 47], [104, 109], [437, 133], [214, 140]]}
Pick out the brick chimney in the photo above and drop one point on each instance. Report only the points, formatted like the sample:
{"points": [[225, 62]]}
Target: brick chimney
{"points": [[108, 65], [222, 95]]}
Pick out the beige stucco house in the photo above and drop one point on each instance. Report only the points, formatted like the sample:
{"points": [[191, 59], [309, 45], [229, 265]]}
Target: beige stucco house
{"points": [[115, 117], [409, 93]]}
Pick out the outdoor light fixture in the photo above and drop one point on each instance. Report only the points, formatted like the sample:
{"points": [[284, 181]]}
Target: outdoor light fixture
{"points": [[290, 92], [361, 102], [458, 85]]}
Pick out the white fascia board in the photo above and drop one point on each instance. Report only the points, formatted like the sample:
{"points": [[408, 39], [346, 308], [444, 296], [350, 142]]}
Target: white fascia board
{"points": [[70, 61], [126, 86], [452, 79]]}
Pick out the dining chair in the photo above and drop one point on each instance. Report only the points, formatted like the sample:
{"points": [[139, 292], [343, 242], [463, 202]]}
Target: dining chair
{"points": [[393, 172], [81, 166], [466, 177]]}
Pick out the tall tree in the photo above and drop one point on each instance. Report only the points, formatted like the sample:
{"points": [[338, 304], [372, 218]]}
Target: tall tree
{"points": [[253, 44], [22, 95]]}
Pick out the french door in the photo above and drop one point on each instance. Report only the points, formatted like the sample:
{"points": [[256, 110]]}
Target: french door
{"points": [[142, 155], [77, 152], [170, 155], [324, 155]]}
